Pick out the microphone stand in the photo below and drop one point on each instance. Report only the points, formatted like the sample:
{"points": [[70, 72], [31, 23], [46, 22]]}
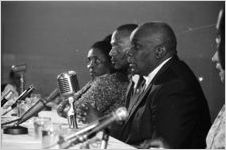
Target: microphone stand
{"points": [[16, 129], [22, 82], [105, 138], [71, 115]]}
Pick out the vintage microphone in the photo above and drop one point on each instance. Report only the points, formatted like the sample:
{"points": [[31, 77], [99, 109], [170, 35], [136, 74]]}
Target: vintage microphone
{"points": [[68, 85], [119, 115], [16, 129], [36, 108], [21, 97], [20, 69]]}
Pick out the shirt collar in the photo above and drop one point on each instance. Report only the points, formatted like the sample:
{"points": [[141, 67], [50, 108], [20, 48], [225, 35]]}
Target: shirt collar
{"points": [[135, 79], [151, 75]]}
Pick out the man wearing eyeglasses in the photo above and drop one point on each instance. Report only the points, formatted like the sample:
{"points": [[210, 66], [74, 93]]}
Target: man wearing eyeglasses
{"points": [[170, 106]]}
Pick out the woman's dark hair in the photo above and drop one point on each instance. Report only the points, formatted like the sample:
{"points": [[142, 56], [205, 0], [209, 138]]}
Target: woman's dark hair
{"points": [[221, 32], [105, 47]]}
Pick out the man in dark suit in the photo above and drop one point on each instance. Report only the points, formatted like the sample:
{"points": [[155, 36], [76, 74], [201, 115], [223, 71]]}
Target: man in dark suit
{"points": [[120, 42], [170, 105]]}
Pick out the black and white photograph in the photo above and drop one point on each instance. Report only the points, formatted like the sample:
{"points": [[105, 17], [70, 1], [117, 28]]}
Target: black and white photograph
{"points": [[112, 74]]}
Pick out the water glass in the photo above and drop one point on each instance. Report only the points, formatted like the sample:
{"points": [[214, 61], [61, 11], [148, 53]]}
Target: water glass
{"points": [[39, 123], [50, 134]]}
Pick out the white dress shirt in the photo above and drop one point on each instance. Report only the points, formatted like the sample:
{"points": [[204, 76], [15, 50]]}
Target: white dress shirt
{"points": [[135, 79], [151, 75]]}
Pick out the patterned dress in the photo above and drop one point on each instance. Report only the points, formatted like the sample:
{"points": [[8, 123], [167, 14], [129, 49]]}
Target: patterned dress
{"points": [[106, 93], [216, 136]]}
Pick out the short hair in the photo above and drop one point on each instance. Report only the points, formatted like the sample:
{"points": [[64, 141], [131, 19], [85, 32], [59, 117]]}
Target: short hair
{"points": [[108, 38], [167, 38], [104, 46], [171, 40], [221, 32], [127, 27]]}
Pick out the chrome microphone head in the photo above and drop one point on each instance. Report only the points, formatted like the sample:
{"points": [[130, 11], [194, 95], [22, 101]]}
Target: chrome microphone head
{"points": [[121, 114], [19, 68], [68, 83], [7, 94]]}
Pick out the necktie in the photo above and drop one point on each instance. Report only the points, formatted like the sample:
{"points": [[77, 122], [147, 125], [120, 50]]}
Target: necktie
{"points": [[140, 86], [137, 92]]}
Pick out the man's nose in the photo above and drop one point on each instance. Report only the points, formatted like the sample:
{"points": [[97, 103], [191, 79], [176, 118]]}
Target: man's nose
{"points": [[90, 65], [112, 52], [215, 57]]}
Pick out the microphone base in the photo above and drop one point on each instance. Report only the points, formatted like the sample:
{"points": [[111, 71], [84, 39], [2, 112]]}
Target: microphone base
{"points": [[15, 130]]}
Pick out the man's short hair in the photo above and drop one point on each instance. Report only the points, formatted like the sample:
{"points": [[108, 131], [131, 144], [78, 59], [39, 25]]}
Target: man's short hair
{"points": [[127, 27], [167, 38]]}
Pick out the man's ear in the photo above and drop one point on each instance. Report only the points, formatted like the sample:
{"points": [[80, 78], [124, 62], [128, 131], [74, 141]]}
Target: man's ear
{"points": [[160, 52]]}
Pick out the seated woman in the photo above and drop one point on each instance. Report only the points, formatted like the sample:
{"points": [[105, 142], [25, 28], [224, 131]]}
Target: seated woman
{"points": [[105, 92]]}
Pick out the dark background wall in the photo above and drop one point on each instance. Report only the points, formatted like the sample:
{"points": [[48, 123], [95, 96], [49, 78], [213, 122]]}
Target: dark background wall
{"points": [[53, 37]]}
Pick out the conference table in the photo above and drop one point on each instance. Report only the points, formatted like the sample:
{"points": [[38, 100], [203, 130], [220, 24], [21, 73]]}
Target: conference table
{"points": [[29, 141]]}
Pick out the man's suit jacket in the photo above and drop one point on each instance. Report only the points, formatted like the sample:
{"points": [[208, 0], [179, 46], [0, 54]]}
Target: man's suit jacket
{"points": [[173, 107]]}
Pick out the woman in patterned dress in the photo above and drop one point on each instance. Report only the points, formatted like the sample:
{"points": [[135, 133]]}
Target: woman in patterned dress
{"points": [[105, 92]]}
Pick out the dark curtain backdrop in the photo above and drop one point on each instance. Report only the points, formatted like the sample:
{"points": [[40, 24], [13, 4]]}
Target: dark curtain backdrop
{"points": [[53, 37]]}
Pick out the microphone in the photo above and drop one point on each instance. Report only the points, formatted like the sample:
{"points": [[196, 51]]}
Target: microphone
{"points": [[21, 97], [16, 129], [68, 85], [38, 106], [19, 68], [6, 97], [119, 115]]}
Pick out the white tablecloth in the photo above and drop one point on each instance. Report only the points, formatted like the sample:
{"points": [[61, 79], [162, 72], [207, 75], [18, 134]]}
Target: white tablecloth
{"points": [[28, 141]]}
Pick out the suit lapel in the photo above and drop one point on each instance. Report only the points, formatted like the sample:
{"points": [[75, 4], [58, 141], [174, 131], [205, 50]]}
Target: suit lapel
{"points": [[139, 100], [129, 93], [150, 87], [165, 67]]}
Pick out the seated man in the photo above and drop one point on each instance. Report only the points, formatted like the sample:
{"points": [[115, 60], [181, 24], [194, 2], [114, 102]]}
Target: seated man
{"points": [[216, 136], [169, 104]]}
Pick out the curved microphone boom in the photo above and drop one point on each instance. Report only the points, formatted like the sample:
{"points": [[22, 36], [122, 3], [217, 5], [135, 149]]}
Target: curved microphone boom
{"points": [[119, 115], [68, 85], [38, 106]]}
